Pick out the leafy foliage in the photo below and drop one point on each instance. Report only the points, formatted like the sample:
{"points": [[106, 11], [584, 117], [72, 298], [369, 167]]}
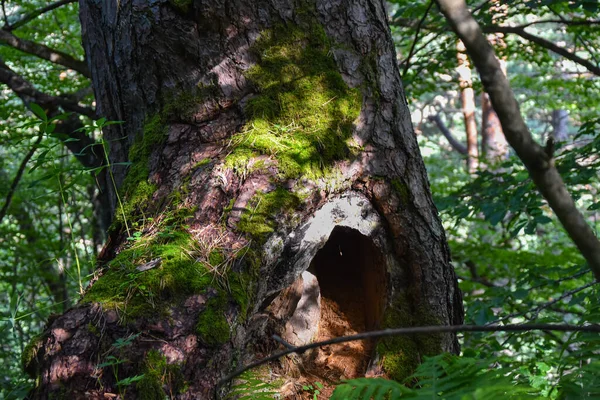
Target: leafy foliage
{"points": [[375, 388], [251, 387]]}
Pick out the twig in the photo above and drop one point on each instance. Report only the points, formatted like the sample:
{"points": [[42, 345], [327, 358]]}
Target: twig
{"points": [[547, 44], [566, 278], [414, 43], [22, 21], [412, 331], [4, 16], [542, 306], [15, 182]]}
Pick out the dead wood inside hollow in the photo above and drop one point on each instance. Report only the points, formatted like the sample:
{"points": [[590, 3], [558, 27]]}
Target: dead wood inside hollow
{"points": [[343, 292]]}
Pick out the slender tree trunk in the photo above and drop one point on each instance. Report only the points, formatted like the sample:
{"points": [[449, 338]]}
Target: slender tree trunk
{"points": [[494, 146], [560, 125], [467, 97], [275, 186]]}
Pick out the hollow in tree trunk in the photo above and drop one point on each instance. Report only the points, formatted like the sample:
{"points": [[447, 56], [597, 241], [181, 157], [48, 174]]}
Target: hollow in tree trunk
{"points": [[275, 186]]}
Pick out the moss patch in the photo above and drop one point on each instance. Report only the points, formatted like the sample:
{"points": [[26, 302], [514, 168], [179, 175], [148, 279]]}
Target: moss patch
{"points": [[136, 192], [212, 326], [402, 190], [403, 354], [138, 293], [260, 218], [158, 374], [29, 354], [304, 111], [181, 5]]}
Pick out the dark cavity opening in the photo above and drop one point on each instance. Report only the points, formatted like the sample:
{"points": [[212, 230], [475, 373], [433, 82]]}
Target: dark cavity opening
{"points": [[351, 274]]}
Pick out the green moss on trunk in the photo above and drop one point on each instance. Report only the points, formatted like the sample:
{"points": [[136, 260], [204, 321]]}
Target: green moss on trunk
{"points": [[402, 354], [260, 219], [304, 111], [157, 374]]}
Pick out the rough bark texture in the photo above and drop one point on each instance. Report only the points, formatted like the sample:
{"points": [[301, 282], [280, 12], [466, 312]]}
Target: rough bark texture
{"points": [[221, 225]]}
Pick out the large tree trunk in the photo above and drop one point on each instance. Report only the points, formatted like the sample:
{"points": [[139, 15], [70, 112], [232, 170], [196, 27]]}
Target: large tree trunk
{"points": [[276, 186]]}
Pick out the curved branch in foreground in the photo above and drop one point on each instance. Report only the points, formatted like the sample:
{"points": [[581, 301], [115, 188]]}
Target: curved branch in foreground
{"points": [[45, 52], [33, 15], [409, 331], [539, 164]]}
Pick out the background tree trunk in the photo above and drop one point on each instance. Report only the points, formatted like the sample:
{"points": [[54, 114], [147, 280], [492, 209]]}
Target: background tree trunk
{"points": [[272, 155], [467, 98]]}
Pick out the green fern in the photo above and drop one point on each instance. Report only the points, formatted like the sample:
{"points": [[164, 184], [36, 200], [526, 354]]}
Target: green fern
{"points": [[371, 388], [445, 377], [250, 387]]}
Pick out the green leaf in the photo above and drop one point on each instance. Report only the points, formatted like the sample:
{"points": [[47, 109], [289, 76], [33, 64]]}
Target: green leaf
{"points": [[38, 111]]}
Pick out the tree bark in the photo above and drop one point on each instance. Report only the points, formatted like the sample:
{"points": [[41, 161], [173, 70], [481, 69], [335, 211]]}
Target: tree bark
{"points": [[494, 146], [467, 98], [272, 156], [560, 125]]}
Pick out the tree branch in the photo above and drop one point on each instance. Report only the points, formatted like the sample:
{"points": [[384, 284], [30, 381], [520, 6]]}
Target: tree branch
{"points": [[87, 151], [417, 30], [410, 331], [520, 31], [4, 16], [28, 93], [539, 164], [536, 310], [31, 16], [19, 175], [44, 52], [456, 145], [571, 22]]}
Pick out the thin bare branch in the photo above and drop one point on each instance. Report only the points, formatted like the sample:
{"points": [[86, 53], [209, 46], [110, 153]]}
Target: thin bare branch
{"points": [[4, 16], [411, 331], [547, 44], [19, 175], [414, 43], [536, 310], [44, 52], [520, 31], [536, 159], [456, 145], [33, 15], [571, 22]]}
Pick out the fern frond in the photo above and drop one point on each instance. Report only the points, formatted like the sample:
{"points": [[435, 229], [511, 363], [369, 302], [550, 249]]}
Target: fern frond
{"points": [[249, 387], [371, 389]]}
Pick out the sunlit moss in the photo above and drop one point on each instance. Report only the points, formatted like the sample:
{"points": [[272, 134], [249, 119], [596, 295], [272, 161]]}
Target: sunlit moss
{"points": [[304, 111], [260, 218]]}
